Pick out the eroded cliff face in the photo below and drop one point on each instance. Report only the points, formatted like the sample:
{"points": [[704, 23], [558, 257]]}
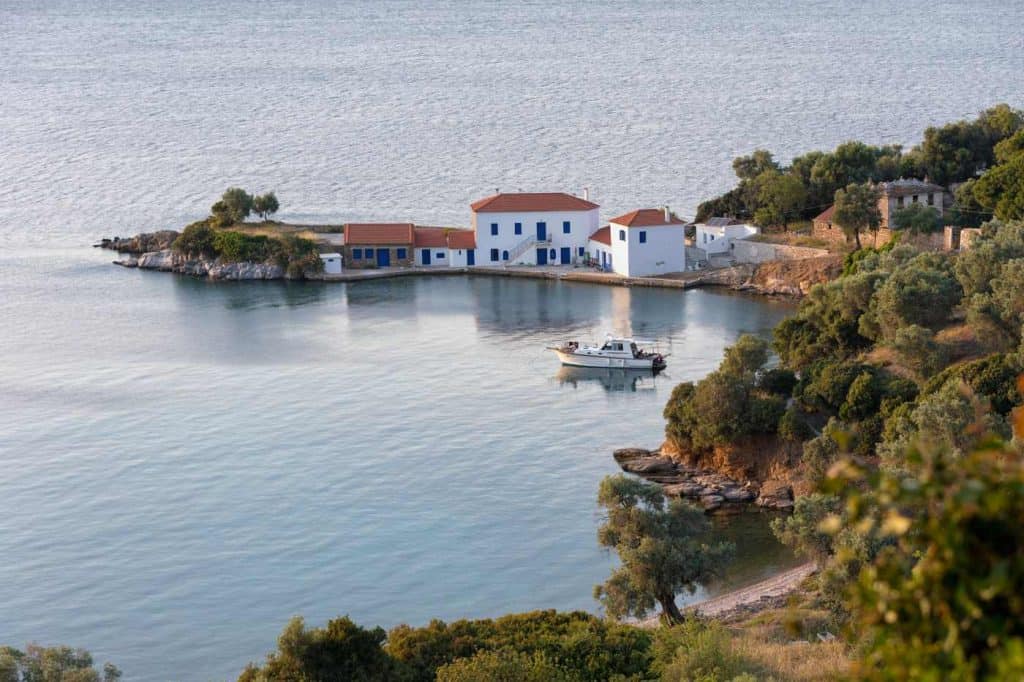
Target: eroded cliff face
{"points": [[793, 277], [763, 471]]}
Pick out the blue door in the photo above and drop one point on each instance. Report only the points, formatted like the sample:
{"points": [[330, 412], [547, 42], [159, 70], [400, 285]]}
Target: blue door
{"points": [[383, 258], [471, 257], [426, 256], [542, 233], [542, 256], [566, 255]]}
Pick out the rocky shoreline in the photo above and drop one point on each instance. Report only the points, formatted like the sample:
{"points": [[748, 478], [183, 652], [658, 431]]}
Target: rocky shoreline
{"points": [[714, 491]]}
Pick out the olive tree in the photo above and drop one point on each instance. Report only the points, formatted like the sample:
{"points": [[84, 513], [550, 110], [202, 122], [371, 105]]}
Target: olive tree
{"points": [[857, 210], [662, 545]]}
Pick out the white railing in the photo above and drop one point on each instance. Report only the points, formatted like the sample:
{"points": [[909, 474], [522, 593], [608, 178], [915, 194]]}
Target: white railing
{"points": [[524, 246]]}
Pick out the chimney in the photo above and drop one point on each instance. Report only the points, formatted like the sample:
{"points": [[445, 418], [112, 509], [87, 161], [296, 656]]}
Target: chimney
{"points": [[586, 194], [668, 214]]}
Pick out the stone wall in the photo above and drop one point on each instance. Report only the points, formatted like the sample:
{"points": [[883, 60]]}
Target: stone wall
{"points": [[746, 251]]}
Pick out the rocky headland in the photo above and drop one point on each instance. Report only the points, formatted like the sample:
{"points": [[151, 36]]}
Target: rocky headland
{"points": [[153, 251], [715, 491]]}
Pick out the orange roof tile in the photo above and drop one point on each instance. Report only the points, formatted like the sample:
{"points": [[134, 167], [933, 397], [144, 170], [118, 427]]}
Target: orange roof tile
{"points": [[826, 215], [647, 217], [378, 233], [429, 237], [603, 235], [461, 239], [532, 201]]}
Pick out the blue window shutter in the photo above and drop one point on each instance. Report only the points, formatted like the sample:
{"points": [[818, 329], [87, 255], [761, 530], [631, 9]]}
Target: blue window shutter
{"points": [[401, 253], [581, 251], [643, 236], [494, 228], [494, 255], [519, 228], [440, 254], [357, 254], [566, 227], [622, 235], [369, 253], [504, 255]]}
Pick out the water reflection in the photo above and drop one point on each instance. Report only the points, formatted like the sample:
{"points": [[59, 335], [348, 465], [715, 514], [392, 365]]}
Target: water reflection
{"points": [[612, 380]]}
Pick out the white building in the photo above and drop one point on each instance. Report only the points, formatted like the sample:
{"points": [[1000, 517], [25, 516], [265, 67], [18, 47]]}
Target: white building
{"points": [[543, 228], [645, 243], [717, 234], [332, 263], [444, 247], [599, 247]]}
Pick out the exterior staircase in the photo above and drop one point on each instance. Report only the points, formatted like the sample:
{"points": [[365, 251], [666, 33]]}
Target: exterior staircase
{"points": [[522, 247]]}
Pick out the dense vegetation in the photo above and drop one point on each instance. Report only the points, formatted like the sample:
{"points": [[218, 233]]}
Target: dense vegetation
{"points": [[212, 238], [986, 154], [52, 664]]}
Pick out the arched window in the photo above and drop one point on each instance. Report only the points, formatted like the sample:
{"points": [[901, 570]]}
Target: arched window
{"points": [[504, 255], [553, 254]]}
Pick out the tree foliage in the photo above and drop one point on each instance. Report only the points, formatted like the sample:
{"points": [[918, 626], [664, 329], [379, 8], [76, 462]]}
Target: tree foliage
{"points": [[52, 664], [340, 651], [917, 218], [578, 643], [943, 599], [234, 206], [857, 210], [265, 205], [662, 546]]}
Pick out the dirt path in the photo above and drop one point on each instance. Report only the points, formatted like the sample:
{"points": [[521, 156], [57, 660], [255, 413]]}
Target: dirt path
{"points": [[776, 586]]}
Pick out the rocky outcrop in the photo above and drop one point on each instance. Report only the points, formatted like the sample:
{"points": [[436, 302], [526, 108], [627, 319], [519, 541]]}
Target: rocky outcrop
{"points": [[713, 490], [792, 277], [141, 243], [167, 260]]}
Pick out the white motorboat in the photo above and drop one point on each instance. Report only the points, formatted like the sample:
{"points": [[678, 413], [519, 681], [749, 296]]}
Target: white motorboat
{"points": [[615, 353]]}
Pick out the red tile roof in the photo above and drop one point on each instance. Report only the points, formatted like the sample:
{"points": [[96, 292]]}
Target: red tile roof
{"points": [[532, 201], [461, 239], [826, 215], [603, 235], [647, 217], [430, 237], [378, 233]]}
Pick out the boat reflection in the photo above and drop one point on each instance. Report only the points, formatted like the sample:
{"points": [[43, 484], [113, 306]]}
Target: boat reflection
{"points": [[612, 380]]}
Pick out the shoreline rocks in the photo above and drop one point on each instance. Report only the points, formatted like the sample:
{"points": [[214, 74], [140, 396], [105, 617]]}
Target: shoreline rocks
{"points": [[167, 260], [716, 492]]}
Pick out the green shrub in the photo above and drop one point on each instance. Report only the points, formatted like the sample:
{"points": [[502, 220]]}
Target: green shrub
{"points": [[196, 240], [578, 643], [503, 666], [862, 398], [994, 377], [779, 381], [818, 455], [697, 651], [793, 427], [942, 600], [919, 350]]}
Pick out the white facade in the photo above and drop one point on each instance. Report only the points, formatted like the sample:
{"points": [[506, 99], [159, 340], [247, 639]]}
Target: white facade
{"points": [[647, 250], [538, 230], [716, 239], [332, 263], [601, 254], [438, 256], [458, 258]]}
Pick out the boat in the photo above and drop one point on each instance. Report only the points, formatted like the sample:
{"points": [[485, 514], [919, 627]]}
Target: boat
{"points": [[615, 353]]}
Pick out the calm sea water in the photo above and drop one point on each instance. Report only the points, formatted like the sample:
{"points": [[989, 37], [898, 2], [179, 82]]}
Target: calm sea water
{"points": [[186, 465]]}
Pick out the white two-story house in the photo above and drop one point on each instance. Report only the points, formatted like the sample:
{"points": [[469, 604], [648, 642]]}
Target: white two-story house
{"points": [[534, 228], [647, 242]]}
